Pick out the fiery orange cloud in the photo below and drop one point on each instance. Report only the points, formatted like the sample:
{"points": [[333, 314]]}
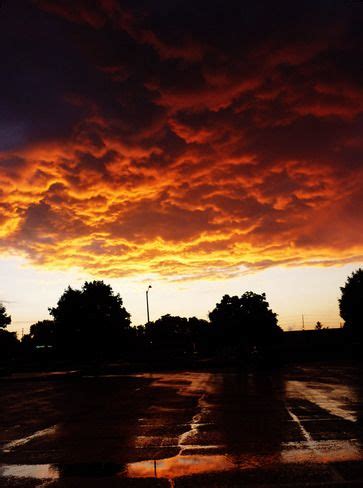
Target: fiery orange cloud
{"points": [[156, 146]]}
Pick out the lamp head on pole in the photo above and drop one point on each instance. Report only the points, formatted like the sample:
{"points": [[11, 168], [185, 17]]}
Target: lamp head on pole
{"points": [[147, 304]]}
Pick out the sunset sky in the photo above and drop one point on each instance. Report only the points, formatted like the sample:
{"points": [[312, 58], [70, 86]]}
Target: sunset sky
{"points": [[203, 147]]}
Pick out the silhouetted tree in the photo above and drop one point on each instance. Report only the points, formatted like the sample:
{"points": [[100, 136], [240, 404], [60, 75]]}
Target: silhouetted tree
{"points": [[90, 321], [173, 334], [245, 322], [42, 334], [5, 319], [200, 334], [351, 303], [318, 325], [8, 340]]}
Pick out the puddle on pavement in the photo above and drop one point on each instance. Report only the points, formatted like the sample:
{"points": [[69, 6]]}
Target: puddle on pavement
{"points": [[24, 440], [336, 399], [300, 452], [37, 471], [55, 471], [179, 466], [320, 452]]}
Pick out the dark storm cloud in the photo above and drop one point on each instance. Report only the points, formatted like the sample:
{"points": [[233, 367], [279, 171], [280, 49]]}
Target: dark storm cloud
{"points": [[182, 135]]}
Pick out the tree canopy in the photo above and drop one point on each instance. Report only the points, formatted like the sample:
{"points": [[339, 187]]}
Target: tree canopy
{"points": [[351, 303], [42, 333], [5, 319], [246, 319], [90, 320], [8, 340], [318, 325], [177, 333]]}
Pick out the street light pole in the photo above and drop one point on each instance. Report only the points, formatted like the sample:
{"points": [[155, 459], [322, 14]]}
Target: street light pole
{"points": [[147, 303]]}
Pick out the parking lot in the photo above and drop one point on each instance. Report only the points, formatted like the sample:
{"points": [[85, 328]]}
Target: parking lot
{"points": [[296, 427]]}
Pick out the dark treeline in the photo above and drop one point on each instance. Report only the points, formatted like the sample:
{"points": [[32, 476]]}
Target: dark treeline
{"points": [[92, 324]]}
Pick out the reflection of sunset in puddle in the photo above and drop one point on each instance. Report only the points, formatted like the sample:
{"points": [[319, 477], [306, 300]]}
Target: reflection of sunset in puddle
{"points": [[316, 452], [334, 398], [322, 452], [331, 398], [195, 418], [300, 452], [36, 471], [179, 466], [24, 440]]}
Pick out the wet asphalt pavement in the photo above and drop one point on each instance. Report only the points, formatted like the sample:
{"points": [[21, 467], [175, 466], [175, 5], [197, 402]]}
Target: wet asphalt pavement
{"points": [[298, 427]]}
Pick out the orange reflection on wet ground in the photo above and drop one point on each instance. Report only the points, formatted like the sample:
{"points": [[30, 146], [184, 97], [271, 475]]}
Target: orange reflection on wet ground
{"points": [[298, 453], [36, 471], [322, 452], [179, 466], [187, 424]]}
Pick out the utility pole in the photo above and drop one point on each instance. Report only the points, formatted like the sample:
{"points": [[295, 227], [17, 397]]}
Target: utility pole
{"points": [[147, 303], [303, 322]]}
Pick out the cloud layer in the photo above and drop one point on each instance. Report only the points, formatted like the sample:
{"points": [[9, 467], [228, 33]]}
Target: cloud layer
{"points": [[186, 139]]}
